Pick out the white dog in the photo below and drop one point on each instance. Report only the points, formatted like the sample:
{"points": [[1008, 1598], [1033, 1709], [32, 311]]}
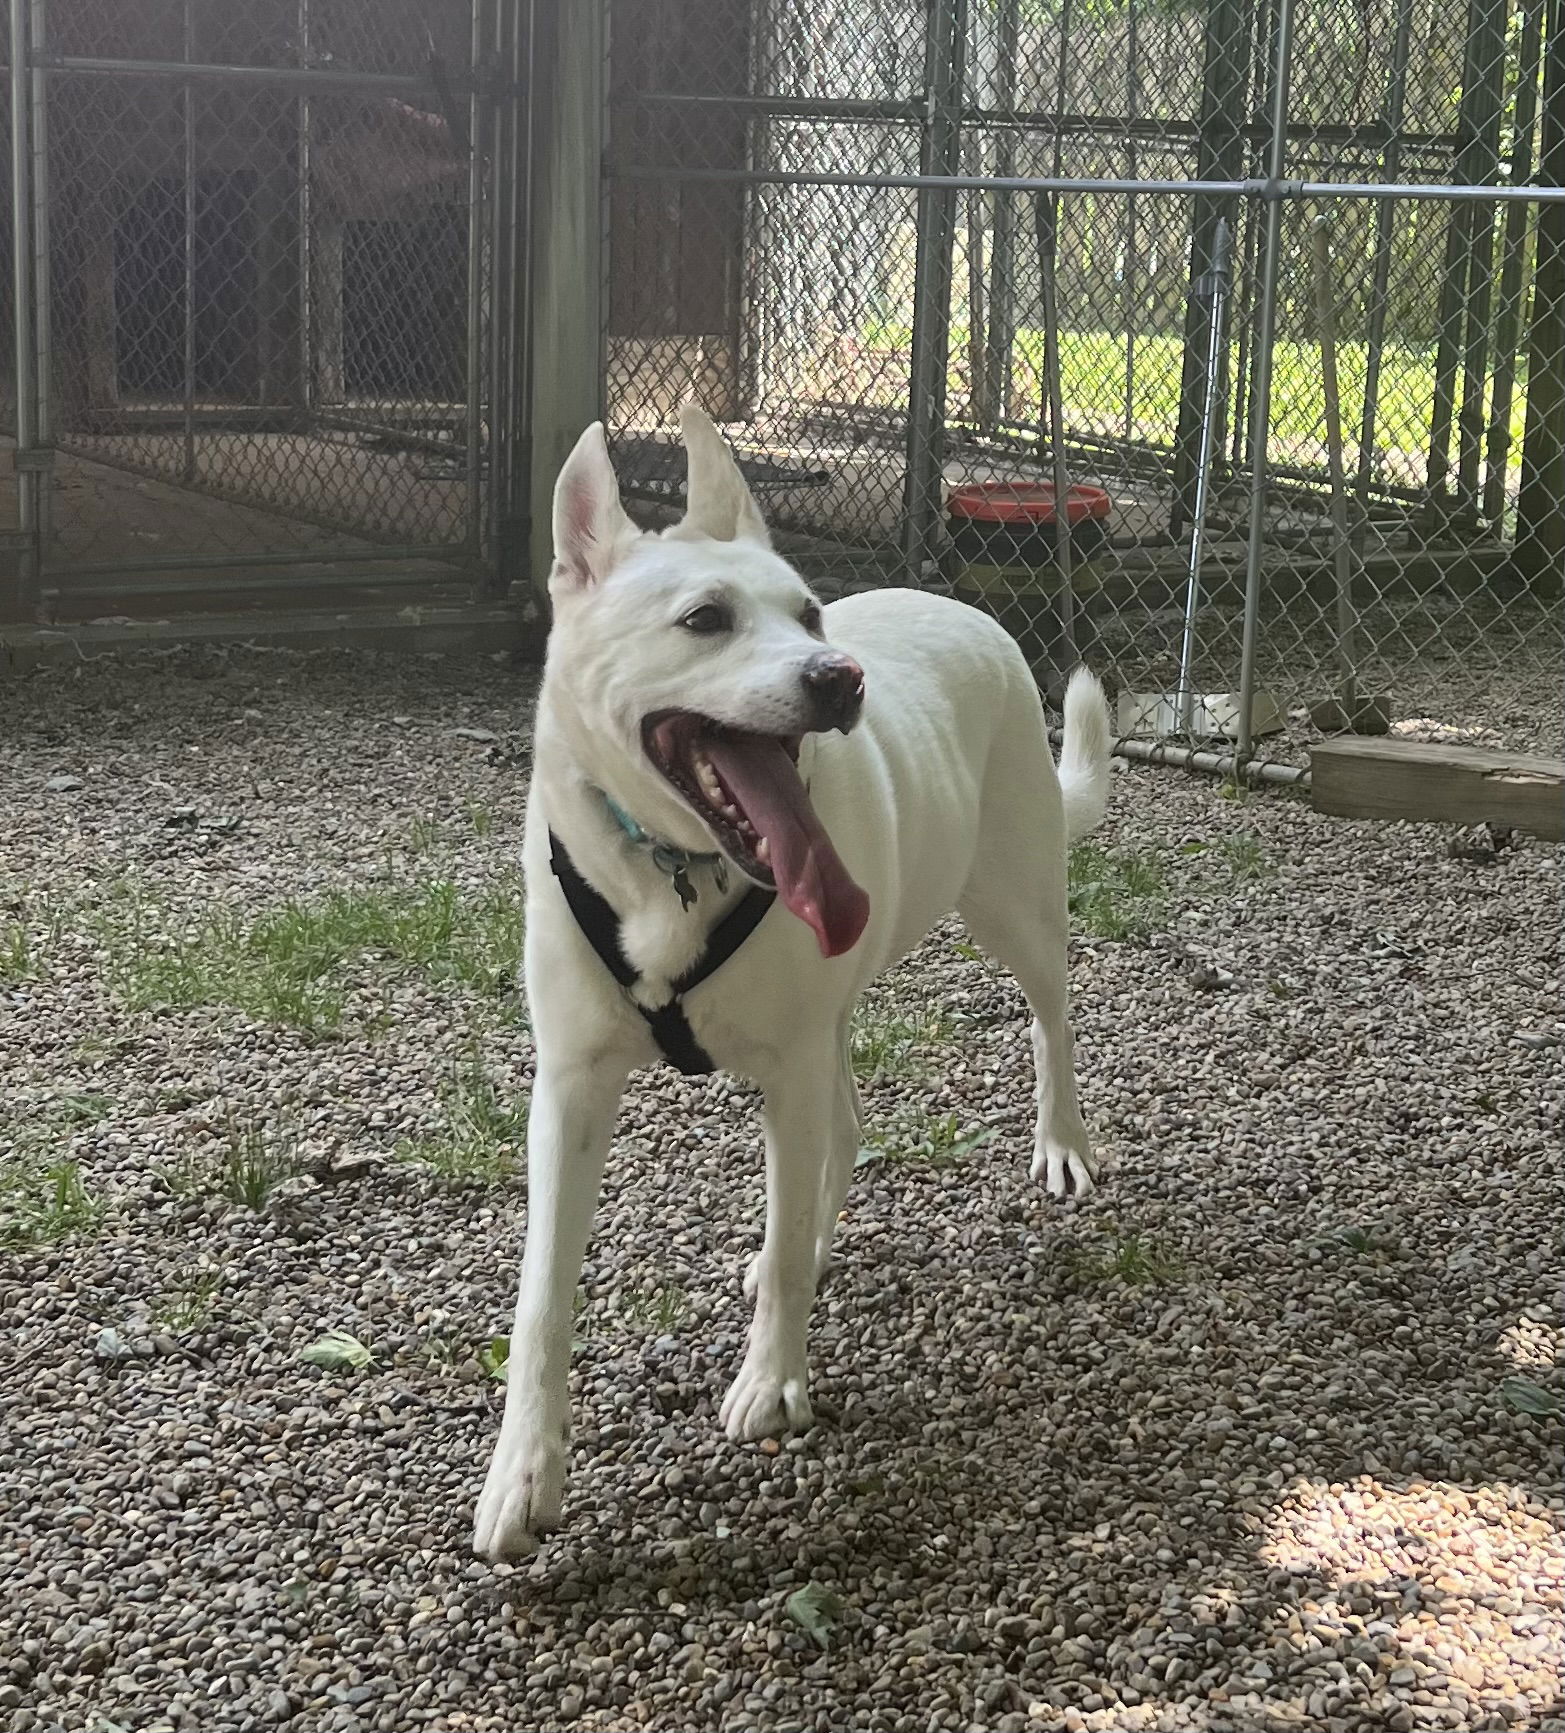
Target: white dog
{"points": [[709, 739]]}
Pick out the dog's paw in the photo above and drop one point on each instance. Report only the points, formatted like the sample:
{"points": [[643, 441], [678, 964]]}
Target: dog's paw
{"points": [[521, 1497], [1063, 1169], [763, 1402]]}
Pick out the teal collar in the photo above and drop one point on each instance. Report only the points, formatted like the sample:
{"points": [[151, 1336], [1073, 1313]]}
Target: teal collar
{"points": [[666, 857]]}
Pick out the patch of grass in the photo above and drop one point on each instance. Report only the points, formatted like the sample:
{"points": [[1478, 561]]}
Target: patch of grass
{"points": [[480, 818], [256, 1160], [1115, 893], [18, 960], [1136, 1259], [656, 1311], [252, 1162], [1244, 857], [84, 1109], [1092, 365], [1362, 1242], [424, 835], [190, 1305], [485, 1132], [886, 1042], [916, 1137], [41, 1202], [34, 924], [285, 966]]}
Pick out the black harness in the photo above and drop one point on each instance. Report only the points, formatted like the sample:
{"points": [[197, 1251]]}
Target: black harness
{"points": [[601, 928]]}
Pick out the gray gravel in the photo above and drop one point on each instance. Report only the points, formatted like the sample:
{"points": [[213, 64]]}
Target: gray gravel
{"points": [[1276, 1484]]}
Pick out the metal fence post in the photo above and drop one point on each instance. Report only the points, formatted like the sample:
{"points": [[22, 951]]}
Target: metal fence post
{"points": [[1380, 287], [1540, 510], [1220, 155], [1001, 335], [569, 89], [188, 312], [929, 359], [473, 355], [1261, 390], [1513, 270], [43, 288], [23, 270], [1213, 289]]}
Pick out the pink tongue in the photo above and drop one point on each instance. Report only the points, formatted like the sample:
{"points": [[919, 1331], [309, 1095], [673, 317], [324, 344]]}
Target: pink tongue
{"points": [[811, 878]]}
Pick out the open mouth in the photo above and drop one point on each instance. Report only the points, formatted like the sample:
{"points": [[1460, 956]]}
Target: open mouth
{"points": [[747, 790]]}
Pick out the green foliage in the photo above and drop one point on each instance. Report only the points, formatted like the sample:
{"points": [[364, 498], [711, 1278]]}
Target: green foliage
{"points": [[1115, 893], [484, 1134], [286, 965], [41, 1202]]}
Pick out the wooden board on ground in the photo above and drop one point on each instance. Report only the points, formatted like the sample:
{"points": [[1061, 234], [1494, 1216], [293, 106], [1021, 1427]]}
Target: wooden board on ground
{"points": [[1439, 784]]}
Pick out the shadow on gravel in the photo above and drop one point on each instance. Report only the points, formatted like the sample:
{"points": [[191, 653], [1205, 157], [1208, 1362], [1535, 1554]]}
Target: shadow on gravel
{"points": [[1404, 1555]]}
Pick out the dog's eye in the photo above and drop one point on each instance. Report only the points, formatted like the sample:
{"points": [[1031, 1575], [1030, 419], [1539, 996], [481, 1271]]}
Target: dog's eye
{"points": [[707, 620], [810, 619]]}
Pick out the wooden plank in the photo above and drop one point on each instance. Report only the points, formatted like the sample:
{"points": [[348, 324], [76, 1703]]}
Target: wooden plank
{"points": [[1434, 783]]}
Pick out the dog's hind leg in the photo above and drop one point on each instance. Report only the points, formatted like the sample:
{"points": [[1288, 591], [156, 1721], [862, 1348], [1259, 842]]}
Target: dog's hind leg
{"points": [[802, 1115], [569, 1126], [1015, 906]]}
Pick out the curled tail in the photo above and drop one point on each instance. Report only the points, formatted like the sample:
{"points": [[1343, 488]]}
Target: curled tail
{"points": [[1084, 756]]}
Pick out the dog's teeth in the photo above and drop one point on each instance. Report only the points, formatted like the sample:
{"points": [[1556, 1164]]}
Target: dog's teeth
{"points": [[763, 852], [732, 812]]}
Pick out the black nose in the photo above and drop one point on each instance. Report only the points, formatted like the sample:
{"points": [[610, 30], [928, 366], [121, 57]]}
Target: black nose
{"points": [[835, 686]]}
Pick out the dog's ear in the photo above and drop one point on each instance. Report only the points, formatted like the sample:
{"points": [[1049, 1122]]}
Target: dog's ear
{"points": [[718, 504], [590, 525]]}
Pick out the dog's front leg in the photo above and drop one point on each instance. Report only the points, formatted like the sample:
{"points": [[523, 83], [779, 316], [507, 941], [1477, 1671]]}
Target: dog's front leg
{"points": [[771, 1393], [568, 1130]]}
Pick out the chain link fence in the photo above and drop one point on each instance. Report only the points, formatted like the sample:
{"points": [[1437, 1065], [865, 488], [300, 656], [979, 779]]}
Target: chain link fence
{"points": [[260, 252], [1251, 312]]}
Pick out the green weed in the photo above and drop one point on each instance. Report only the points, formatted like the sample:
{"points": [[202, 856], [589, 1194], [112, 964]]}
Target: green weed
{"points": [[656, 1311], [190, 1305], [915, 1137], [484, 1134], [886, 1042], [43, 1202], [286, 965], [255, 1161], [1133, 1258], [18, 960], [1115, 894]]}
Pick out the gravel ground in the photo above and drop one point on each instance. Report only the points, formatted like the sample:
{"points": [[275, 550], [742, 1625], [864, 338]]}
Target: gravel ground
{"points": [[1229, 1446]]}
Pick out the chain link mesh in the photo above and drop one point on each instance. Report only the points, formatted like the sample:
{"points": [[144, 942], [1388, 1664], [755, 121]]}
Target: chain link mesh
{"points": [[1389, 563], [260, 305]]}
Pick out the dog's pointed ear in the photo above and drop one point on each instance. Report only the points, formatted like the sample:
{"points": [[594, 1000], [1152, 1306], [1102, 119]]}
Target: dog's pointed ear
{"points": [[718, 503], [590, 525]]}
